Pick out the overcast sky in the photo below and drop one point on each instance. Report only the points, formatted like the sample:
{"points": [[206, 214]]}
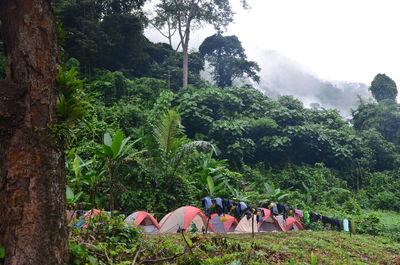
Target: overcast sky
{"points": [[349, 40]]}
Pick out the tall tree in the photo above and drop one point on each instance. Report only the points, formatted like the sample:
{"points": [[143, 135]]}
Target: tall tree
{"points": [[383, 87], [183, 16], [32, 179], [104, 34], [226, 55]]}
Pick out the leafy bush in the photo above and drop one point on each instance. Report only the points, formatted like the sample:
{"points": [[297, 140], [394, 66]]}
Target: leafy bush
{"points": [[386, 200], [337, 196], [351, 206], [105, 240], [369, 224]]}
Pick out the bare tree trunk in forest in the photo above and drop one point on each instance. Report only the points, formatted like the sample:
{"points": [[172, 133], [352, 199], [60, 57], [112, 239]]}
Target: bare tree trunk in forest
{"points": [[185, 65], [185, 37], [32, 178]]}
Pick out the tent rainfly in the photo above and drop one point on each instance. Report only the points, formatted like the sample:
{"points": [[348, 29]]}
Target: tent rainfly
{"points": [[184, 217], [292, 224], [162, 221], [269, 223], [224, 223], [143, 220]]}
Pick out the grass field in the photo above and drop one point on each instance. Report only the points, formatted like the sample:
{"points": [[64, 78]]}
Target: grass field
{"points": [[110, 242], [304, 247]]}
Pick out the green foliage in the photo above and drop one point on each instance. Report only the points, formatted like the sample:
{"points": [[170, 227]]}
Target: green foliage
{"points": [[168, 132], [106, 240], [171, 155], [228, 59], [104, 34], [270, 248], [212, 175], [386, 200], [273, 194], [318, 160], [72, 104], [116, 151], [384, 117], [2, 252], [383, 87], [85, 182], [369, 224], [73, 198]]}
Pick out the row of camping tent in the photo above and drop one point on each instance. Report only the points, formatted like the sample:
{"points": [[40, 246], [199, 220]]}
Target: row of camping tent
{"points": [[189, 218]]}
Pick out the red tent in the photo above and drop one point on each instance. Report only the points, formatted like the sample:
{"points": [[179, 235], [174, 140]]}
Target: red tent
{"points": [[182, 218], [223, 226], [143, 220], [292, 224], [270, 222]]}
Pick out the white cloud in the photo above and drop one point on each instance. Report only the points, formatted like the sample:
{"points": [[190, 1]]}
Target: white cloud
{"points": [[338, 39], [349, 40]]}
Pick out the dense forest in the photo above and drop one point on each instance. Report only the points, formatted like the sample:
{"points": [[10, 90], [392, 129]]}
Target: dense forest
{"points": [[130, 88], [138, 138], [120, 85]]}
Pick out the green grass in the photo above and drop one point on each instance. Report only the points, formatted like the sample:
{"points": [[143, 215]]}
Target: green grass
{"points": [[327, 247], [389, 218], [109, 241], [389, 223]]}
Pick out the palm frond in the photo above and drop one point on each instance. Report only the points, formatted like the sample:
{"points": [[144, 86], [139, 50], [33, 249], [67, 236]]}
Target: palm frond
{"points": [[168, 131], [268, 188], [199, 145]]}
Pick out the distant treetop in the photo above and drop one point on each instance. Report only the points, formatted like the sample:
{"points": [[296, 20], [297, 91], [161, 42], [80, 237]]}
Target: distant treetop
{"points": [[383, 87]]}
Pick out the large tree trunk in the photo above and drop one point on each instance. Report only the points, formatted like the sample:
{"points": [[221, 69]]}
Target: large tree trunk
{"points": [[185, 65], [32, 178]]}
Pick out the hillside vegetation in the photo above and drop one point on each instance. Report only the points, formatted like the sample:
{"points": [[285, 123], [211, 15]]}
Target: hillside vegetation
{"points": [[138, 138]]}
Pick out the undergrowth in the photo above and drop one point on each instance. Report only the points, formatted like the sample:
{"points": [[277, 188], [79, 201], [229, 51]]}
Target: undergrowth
{"points": [[109, 240]]}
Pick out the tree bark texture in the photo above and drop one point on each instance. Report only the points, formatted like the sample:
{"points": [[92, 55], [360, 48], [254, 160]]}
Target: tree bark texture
{"points": [[32, 177]]}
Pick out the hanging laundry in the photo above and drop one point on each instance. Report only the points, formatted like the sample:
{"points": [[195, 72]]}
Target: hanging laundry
{"points": [[281, 208], [287, 211], [227, 205], [240, 209], [306, 218], [218, 205], [206, 202], [338, 223], [314, 217], [236, 210], [249, 214], [335, 223], [298, 214], [325, 220], [346, 225], [243, 207], [274, 208]]}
